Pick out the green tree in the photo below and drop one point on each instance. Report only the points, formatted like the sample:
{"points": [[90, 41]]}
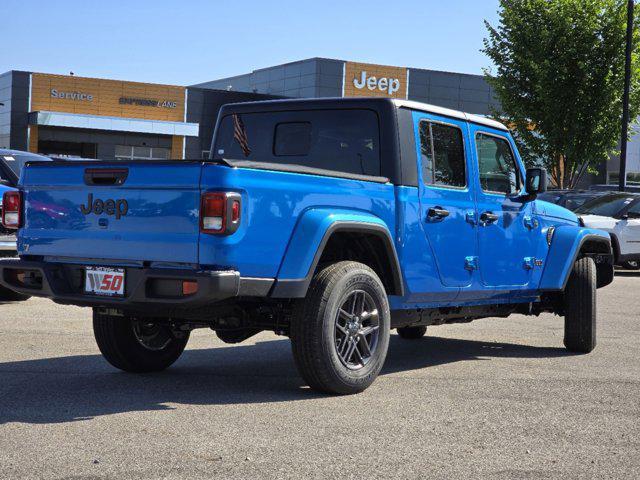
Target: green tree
{"points": [[559, 78]]}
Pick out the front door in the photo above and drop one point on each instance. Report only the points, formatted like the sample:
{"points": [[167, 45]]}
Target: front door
{"points": [[506, 228], [628, 231], [446, 199]]}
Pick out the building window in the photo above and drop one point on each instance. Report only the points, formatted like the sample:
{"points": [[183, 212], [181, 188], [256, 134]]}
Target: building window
{"points": [[126, 152]]}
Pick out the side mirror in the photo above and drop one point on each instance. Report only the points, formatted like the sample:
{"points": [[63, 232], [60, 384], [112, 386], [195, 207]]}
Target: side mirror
{"points": [[536, 181]]}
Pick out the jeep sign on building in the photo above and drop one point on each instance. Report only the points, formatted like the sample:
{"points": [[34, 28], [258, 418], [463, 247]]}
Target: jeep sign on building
{"points": [[367, 80]]}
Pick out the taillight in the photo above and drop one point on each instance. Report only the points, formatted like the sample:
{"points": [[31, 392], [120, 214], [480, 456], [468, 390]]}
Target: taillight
{"points": [[220, 212], [12, 209]]}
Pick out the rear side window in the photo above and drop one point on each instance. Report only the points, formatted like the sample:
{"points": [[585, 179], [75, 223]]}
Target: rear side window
{"points": [[292, 139], [498, 168], [442, 155], [338, 140]]}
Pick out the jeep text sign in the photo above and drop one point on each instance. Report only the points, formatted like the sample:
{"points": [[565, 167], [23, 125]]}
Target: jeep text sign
{"points": [[368, 80], [118, 207]]}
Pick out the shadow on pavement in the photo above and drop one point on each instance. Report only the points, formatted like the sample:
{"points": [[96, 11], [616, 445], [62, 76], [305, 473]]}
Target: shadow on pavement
{"points": [[74, 388], [627, 273]]}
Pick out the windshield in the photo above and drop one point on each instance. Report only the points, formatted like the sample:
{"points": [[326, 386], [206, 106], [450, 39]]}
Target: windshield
{"points": [[573, 202], [606, 206], [338, 140]]}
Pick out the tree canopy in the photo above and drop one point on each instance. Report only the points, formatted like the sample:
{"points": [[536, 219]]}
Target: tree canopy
{"points": [[560, 76]]}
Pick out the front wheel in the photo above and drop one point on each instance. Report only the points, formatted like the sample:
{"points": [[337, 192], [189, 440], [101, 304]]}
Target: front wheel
{"points": [[580, 307], [340, 331], [631, 265], [137, 345]]}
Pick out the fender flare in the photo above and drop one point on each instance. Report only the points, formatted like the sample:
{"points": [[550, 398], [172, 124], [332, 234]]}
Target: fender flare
{"points": [[615, 245], [567, 244], [309, 239]]}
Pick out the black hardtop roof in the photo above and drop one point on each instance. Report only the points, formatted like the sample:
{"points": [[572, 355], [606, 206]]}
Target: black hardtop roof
{"points": [[309, 104], [372, 103], [397, 142]]}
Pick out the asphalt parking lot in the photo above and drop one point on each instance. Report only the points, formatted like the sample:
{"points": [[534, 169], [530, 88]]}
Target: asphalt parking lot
{"points": [[497, 398]]}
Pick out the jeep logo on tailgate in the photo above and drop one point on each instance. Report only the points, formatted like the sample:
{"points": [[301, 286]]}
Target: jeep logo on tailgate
{"points": [[119, 207]]}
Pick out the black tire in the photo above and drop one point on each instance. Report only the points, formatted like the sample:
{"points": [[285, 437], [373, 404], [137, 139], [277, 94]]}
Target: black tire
{"points": [[315, 329], [118, 341], [580, 307], [7, 295], [412, 333], [631, 265]]}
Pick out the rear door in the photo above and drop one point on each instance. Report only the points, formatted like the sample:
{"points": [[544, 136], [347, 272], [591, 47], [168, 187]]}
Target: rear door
{"points": [[143, 211], [507, 230], [446, 199]]}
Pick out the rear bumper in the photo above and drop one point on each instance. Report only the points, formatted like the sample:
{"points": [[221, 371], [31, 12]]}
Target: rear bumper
{"points": [[7, 243], [145, 288]]}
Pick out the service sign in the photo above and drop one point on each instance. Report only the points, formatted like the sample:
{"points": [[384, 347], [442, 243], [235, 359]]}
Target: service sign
{"points": [[103, 97], [369, 80]]}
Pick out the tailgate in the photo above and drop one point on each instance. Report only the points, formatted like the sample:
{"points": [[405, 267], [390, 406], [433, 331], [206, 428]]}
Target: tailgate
{"points": [[143, 211]]}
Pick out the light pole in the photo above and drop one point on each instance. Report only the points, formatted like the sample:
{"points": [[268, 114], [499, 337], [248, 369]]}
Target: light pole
{"points": [[625, 99]]}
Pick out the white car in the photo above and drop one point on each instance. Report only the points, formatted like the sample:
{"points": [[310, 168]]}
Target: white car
{"points": [[619, 214]]}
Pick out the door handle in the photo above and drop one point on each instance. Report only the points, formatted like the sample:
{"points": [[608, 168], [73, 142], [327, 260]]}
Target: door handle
{"points": [[488, 217], [437, 213]]}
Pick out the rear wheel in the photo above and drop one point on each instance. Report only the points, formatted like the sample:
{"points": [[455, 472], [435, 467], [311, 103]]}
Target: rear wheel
{"points": [[136, 345], [7, 295], [412, 333], [340, 331], [580, 307]]}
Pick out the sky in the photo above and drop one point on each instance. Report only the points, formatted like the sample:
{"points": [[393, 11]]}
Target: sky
{"points": [[184, 42]]}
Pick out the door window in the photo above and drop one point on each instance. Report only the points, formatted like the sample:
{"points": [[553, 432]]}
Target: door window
{"points": [[497, 166], [442, 155]]}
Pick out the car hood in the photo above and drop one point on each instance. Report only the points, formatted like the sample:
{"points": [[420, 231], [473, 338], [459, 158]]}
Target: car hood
{"points": [[597, 221], [551, 210]]}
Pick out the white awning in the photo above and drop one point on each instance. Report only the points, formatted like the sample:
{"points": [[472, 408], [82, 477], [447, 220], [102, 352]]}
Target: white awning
{"points": [[114, 124]]}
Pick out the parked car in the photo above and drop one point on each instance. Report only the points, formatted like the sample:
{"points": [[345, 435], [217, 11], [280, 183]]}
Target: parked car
{"points": [[331, 221], [11, 163], [631, 187], [619, 214], [570, 199]]}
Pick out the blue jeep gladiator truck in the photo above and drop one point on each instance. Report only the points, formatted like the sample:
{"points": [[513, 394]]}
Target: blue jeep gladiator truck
{"points": [[331, 221]]}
